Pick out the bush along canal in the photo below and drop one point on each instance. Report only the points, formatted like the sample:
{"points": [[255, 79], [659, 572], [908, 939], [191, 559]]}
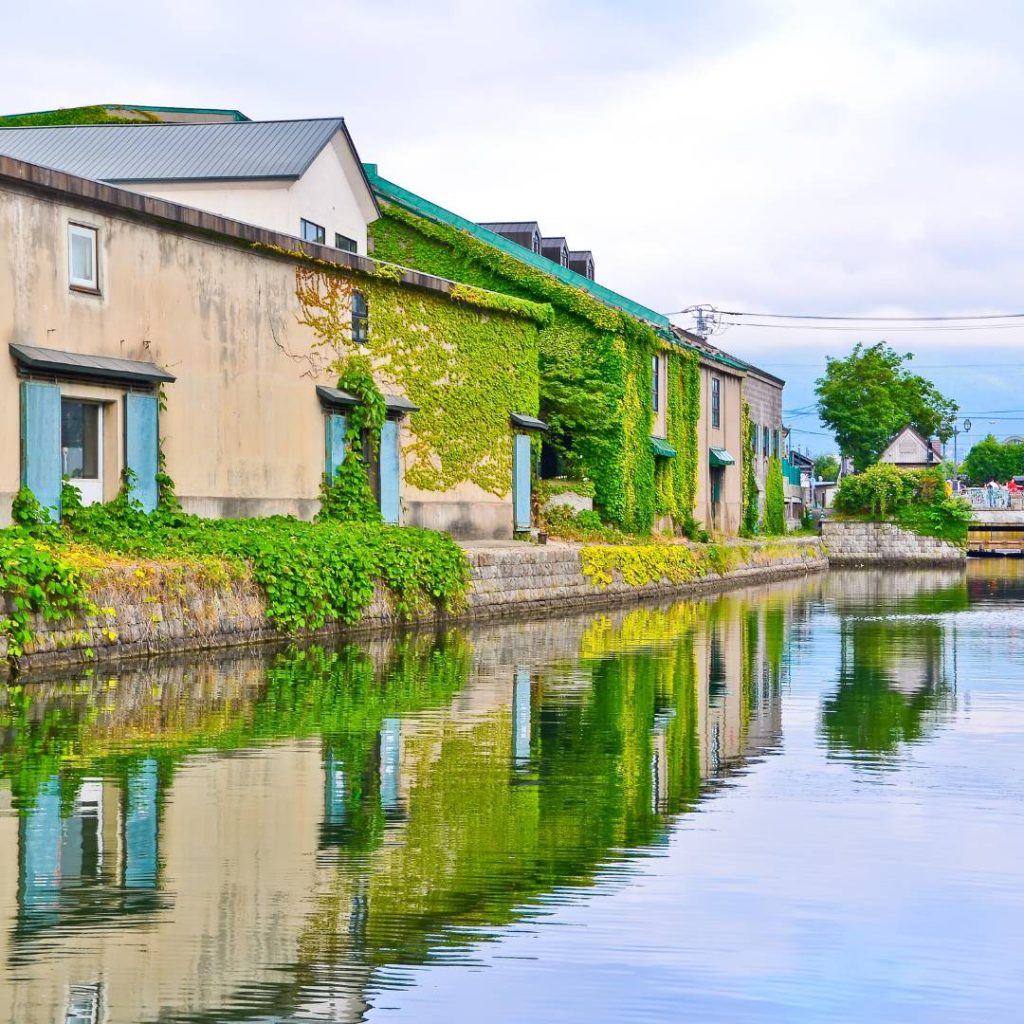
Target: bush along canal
{"points": [[743, 806]]}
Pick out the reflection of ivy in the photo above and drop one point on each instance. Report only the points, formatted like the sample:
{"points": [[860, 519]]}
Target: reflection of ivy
{"points": [[595, 378]]}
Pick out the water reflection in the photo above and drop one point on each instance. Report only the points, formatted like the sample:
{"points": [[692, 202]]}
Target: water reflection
{"points": [[287, 837], [897, 678]]}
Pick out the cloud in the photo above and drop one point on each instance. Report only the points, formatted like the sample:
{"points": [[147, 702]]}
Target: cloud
{"points": [[778, 155]]}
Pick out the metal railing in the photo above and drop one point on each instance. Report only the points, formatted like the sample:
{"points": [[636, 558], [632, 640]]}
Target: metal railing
{"points": [[995, 498]]}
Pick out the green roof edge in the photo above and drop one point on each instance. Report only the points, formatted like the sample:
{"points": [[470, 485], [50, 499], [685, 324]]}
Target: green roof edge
{"points": [[393, 193]]}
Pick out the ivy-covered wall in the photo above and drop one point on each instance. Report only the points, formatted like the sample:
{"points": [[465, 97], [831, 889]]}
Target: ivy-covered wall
{"points": [[595, 362], [468, 361], [678, 490], [751, 512]]}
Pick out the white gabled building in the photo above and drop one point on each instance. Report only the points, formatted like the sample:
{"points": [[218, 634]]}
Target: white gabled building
{"points": [[299, 178], [909, 450]]}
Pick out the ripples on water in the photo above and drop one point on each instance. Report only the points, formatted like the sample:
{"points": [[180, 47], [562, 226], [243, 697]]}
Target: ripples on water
{"points": [[798, 802]]}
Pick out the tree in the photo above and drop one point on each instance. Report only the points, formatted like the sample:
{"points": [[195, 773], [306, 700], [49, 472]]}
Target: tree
{"points": [[991, 460], [826, 467], [870, 396]]}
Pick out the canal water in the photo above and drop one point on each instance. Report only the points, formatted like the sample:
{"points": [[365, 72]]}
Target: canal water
{"points": [[795, 802]]}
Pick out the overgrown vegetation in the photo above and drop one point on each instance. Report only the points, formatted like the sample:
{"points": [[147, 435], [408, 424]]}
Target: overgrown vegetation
{"points": [[73, 115], [774, 499], [914, 499], [594, 361], [750, 518], [641, 564], [312, 574]]}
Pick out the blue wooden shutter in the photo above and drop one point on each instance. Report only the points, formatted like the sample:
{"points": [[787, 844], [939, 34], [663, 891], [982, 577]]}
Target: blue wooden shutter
{"points": [[521, 481], [336, 426], [390, 506], [40, 444], [141, 440]]}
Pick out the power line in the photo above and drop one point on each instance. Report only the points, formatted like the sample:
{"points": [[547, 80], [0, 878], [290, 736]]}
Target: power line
{"points": [[862, 319], [897, 329]]}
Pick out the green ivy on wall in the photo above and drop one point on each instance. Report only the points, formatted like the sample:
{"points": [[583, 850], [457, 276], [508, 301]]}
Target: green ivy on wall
{"points": [[468, 360], [750, 516], [774, 499], [679, 475], [594, 361]]}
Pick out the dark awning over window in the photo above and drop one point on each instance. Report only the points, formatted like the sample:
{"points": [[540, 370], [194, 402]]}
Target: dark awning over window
{"points": [[51, 362], [524, 422], [662, 448], [720, 457], [397, 405], [336, 398]]}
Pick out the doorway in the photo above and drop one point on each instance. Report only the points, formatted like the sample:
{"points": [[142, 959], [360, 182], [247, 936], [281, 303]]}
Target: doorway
{"points": [[81, 447]]}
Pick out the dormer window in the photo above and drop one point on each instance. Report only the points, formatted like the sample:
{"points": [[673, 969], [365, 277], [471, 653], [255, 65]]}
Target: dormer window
{"points": [[360, 319], [536, 242]]}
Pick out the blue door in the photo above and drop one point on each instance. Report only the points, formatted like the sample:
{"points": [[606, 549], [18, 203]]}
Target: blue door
{"points": [[521, 482], [40, 444], [390, 505], [141, 447]]}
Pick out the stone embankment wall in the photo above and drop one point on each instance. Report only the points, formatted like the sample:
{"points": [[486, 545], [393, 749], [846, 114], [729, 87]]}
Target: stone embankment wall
{"points": [[849, 542], [151, 608]]}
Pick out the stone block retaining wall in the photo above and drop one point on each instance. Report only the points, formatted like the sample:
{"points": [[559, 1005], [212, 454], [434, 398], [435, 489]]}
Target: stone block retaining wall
{"points": [[152, 608], [849, 542]]}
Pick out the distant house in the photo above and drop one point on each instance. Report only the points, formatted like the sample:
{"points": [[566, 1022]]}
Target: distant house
{"points": [[909, 450]]}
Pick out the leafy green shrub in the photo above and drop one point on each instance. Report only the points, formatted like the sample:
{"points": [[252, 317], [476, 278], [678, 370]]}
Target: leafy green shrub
{"points": [[774, 499], [33, 580], [914, 499]]}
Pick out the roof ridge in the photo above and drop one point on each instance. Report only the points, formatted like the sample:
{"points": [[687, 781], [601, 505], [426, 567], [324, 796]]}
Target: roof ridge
{"points": [[166, 124]]}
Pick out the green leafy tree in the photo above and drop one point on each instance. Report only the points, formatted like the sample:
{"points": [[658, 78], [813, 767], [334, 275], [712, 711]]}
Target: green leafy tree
{"points": [[990, 459], [826, 467], [870, 396]]}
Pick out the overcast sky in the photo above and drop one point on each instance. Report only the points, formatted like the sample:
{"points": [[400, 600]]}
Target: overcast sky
{"points": [[769, 155]]}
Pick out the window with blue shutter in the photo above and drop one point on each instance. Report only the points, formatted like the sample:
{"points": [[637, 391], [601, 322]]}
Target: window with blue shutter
{"points": [[336, 427], [390, 504], [141, 446], [40, 444], [521, 482]]}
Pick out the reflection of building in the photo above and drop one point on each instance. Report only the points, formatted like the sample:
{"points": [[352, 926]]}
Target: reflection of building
{"points": [[429, 793]]}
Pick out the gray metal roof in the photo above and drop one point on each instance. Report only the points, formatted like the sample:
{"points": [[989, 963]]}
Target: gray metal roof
{"points": [[518, 226], [52, 362], [218, 151]]}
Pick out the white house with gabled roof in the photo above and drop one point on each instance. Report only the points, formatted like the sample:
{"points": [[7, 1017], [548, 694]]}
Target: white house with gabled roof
{"points": [[910, 450], [299, 178]]}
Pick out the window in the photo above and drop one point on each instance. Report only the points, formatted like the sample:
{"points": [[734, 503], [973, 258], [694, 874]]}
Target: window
{"points": [[655, 382], [360, 319], [716, 402], [754, 437], [767, 446], [82, 269], [536, 243], [775, 443], [311, 232], [345, 243]]}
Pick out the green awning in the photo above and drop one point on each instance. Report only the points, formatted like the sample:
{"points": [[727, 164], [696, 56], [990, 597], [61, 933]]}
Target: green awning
{"points": [[720, 457], [662, 448]]}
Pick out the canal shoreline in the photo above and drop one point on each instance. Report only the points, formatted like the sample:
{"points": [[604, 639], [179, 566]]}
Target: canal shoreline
{"points": [[146, 609]]}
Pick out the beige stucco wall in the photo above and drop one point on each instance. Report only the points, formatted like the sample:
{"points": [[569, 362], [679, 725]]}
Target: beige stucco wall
{"points": [[728, 436], [243, 430], [331, 193]]}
